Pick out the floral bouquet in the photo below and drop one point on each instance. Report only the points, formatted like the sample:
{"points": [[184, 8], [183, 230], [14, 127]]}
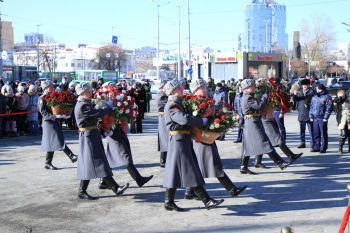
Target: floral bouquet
{"points": [[277, 95], [197, 105], [125, 107], [223, 119], [61, 102]]}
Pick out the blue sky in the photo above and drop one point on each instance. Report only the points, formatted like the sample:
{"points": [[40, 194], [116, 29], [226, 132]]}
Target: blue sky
{"points": [[213, 23]]}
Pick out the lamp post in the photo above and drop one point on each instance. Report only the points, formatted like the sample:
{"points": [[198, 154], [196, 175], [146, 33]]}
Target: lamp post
{"points": [[178, 56], [1, 69], [37, 47], [158, 33], [189, 37]]}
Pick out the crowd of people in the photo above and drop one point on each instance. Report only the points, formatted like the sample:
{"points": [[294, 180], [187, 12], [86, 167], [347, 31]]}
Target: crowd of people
{"points": [[19, 105]]}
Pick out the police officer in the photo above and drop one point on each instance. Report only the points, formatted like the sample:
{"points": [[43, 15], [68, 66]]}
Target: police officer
{"points": [[320, 111], [163, 133], [181, 169], [92, 161], [119, 154], [255, 140], [52, 137], [302, 99], [238, 109], [208, 155]]}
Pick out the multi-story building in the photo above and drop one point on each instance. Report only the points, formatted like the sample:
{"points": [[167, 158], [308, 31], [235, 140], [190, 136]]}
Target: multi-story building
{"points": [[7, 40], [265, 27]]}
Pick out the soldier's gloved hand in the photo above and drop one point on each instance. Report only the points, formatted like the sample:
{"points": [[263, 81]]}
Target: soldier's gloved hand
{"points": [[108, 133], [66, 116], [311, 120], [59, 116], [264, 96], [205, 121], [325, 120]]}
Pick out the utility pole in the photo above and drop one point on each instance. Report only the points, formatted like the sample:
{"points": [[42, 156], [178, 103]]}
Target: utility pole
{"points": [[189, 39], [178, 56], [37, 48], [1, 68]]}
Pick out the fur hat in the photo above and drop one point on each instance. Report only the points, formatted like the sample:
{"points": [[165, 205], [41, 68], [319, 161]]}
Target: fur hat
{"points": [[46, 83], [247, 83], [305, 81], [171, 86], [83, 87], [196, 84]]}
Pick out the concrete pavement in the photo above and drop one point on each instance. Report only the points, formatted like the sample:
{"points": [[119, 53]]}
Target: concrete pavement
{"points": [[309, 196]]}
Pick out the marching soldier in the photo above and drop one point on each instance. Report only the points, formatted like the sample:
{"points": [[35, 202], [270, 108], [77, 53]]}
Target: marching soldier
{"points": [[208, 157], [119, 154], [254, 131], [92, 161], [274, 135], [320, 111], [52, 137], [181, 169], [163, 133]]}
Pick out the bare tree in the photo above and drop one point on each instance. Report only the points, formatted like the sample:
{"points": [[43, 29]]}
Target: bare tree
{"points": [[110, 57], [317, 37]]}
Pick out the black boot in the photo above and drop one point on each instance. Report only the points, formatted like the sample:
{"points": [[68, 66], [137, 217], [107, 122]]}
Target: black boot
{"points": [[134, 173], [278, 160], [258, 162], [342, 140], [206, 199], [229, 186], [163, 156], [48, 162], [103, 184], [118, 190], [292, 157], [82, 191], [244, 166], [189, 194], [70, 154], [169, 203]]}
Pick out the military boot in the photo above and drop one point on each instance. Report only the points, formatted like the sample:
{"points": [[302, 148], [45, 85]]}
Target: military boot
{"points": [[163, 156], [169, 203], [134, 173], [209, 202], [258, 162], [230, 187], [244, 166], [118, 190], [48, 162], [278, 160], [291, 156], [82, 191]]}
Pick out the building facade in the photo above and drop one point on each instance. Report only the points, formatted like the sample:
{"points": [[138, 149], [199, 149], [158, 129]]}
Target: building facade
{"points": [[265, 27], [7, 38]]}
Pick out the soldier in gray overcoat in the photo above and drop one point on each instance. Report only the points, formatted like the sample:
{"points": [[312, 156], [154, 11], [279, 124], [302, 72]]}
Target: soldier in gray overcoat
{"points": [[92, 161], [163, 133], [52, 137], [181, 169], [274, 135], [119, 154], [208, 157], [255, 140]]}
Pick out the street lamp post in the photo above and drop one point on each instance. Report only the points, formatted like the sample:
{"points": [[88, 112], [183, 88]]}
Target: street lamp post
{"points": [[189, 38], [178, 56], [37, 47], [1, 69]]}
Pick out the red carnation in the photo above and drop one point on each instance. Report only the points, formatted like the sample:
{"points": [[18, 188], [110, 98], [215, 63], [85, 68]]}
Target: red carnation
{"points": [[223, 118], [202, 105], [217, 121]]}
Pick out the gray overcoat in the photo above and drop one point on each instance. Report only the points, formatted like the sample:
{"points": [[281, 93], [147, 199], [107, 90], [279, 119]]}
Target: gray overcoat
{"points": [[209, 160], [92, 161], [181, 169], [255, 140], [52, 137], [272, 131], [118, 148], [163, 133]]}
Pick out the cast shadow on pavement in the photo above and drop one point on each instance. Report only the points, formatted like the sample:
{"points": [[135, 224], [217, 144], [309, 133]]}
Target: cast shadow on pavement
{"points": [[7, 162], [322, 187]]}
